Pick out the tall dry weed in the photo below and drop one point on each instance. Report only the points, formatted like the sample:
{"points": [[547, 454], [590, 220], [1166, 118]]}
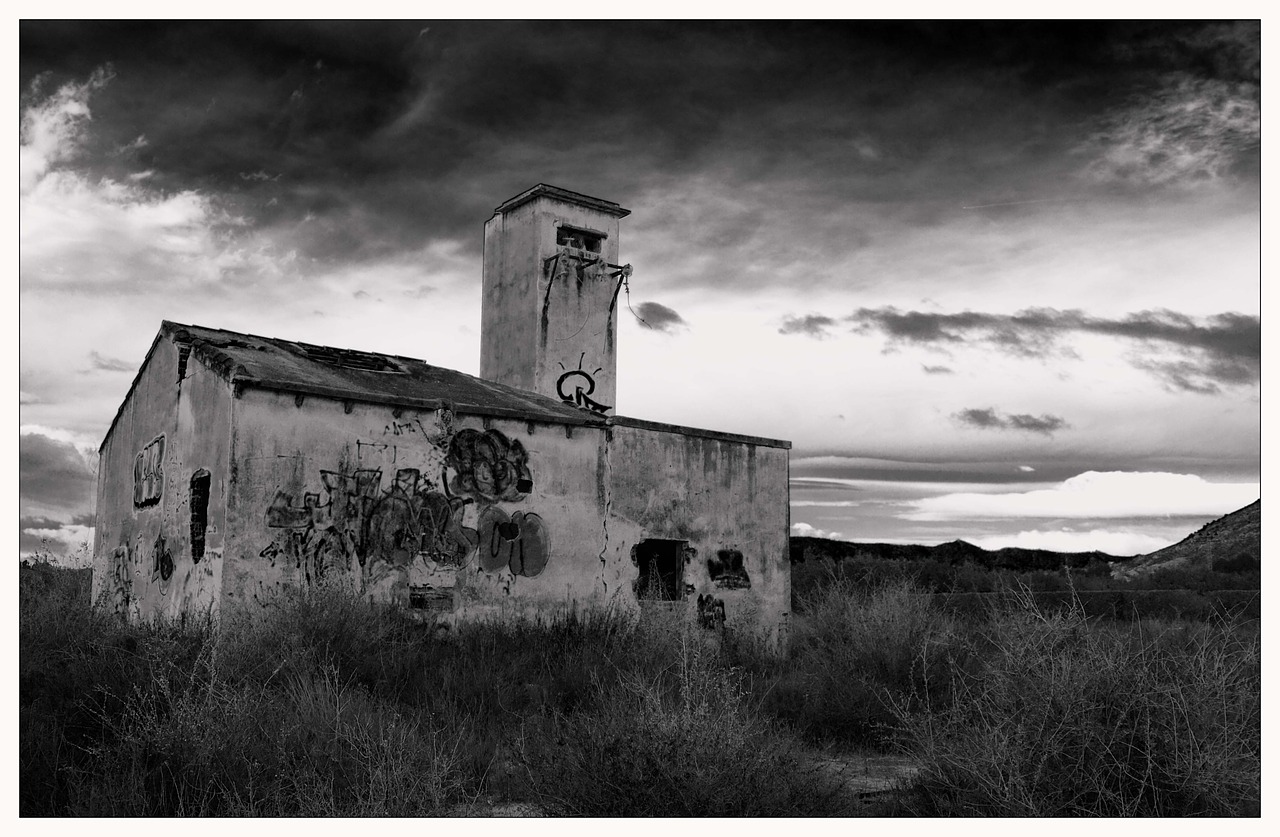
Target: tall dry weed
{"points": [[690, 743], [1072, 717]]}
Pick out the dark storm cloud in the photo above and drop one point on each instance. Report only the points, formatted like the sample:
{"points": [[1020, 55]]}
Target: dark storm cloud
{"points": [[988, 419], [1221, 350], [110, 364], [814, 325], [53, 474], [659, 317], [388, 135]]}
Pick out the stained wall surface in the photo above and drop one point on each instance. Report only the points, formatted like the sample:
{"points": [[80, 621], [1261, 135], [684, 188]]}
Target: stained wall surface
{"points": [[728, 501], [162, 483], [457, 515], [468, 518]]}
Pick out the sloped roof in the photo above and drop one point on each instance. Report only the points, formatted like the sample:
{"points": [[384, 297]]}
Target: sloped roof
{"points": [[250, 360], [310, 369]]}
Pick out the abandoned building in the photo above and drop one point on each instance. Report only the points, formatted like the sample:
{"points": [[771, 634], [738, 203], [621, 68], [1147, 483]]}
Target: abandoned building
{"points": [[238, 465]]}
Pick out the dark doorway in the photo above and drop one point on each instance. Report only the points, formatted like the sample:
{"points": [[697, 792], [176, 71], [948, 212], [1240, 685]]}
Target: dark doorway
{"points": [[661, 564]]}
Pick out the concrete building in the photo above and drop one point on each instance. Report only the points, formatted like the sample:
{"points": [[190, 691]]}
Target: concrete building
{"points": [[241, 465]]}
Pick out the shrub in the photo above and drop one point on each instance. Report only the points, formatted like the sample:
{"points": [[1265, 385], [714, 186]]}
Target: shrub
{"points": [[1072, 718], [691, 745], [314, 747], [858, 653]]}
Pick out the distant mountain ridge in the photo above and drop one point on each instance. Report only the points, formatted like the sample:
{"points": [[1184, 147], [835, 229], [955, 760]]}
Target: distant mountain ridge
{"points": [[952, 552], [1233, 539]]}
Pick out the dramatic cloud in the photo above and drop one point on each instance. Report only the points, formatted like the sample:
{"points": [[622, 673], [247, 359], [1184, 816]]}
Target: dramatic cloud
{"points": [[1190, 132], [1220, 350], [659, 317], [814, 325], [89, 226], [1099, 495], [260, 175], [989, 419], [55, 479]]}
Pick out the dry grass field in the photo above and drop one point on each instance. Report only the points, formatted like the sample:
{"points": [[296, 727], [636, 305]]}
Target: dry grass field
{"points": [[327, 706]]}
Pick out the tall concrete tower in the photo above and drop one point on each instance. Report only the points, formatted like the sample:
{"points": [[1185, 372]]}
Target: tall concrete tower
{"points": [[551, 284]]}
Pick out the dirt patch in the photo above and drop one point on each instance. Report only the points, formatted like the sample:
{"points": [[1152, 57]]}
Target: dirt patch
{"points": [[865, 776]]}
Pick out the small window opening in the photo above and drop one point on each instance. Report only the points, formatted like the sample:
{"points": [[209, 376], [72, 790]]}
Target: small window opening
{"points": [[661, 564], [199, 513], [578, 239], [184, 352]]}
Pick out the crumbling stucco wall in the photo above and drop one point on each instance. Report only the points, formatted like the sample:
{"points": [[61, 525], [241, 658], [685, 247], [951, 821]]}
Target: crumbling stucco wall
{"points": [[162, 482], [456, 515], [729, 501]]}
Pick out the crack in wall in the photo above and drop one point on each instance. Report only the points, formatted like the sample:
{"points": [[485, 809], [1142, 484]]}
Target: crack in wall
{"points": [[605, 472]]}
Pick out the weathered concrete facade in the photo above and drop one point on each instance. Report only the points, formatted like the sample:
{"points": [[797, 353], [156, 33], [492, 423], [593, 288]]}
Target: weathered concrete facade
{"points": [[240, 465], [163, 478]]}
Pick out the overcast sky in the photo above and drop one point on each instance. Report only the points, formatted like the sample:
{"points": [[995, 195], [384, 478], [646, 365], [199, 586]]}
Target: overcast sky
{"points": [[996, 281]]}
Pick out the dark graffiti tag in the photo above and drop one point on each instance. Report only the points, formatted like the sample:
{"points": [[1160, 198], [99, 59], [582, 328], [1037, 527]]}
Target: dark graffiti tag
{"points": [[161, 559], [575, 385], [727, 570], [148, 474], [489, 466], [383, 530], [521, 542], [710, 612], [121, 579]]}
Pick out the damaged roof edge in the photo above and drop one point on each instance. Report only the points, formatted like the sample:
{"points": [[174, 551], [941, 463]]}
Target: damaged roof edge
{"points": [[643, 424]]}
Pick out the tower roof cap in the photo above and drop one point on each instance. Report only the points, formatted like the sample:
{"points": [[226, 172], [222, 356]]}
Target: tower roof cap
{"points": [[542, 190]]}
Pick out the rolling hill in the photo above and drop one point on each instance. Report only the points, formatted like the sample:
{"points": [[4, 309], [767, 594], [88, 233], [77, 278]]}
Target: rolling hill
{"points": [[952, 553], [1233, 542]]}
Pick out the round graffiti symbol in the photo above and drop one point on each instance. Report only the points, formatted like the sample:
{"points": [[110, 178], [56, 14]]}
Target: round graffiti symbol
{"points": [[521, 542], [578, 393], [163, 559]]}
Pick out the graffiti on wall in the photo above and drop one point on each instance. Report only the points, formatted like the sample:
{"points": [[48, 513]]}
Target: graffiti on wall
{"points": [[404, 537], [489, 466], [521, 542], [383, 530], [148, 474], [576, 385], [120, 580], [710, 612], [727, 570], [161, 560]]}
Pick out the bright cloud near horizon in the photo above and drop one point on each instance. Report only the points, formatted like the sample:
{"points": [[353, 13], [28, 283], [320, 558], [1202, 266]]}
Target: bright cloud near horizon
{"points": [[997, 281]]}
